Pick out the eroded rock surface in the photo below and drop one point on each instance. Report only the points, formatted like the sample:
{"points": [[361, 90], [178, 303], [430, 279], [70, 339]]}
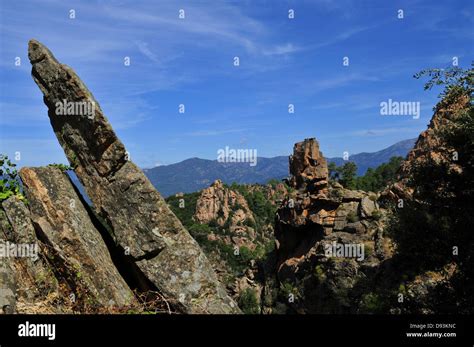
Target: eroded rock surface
{"points": [[308, 167], [7, 274], [35, 275], [64, 226]]}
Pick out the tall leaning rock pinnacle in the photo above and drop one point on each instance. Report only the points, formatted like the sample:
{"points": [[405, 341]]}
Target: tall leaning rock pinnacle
{"points": [[141, 222]]}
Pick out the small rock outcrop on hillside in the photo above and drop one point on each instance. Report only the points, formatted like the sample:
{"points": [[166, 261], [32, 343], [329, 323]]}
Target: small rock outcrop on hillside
{"points": [[226, 207], [320, 216]]}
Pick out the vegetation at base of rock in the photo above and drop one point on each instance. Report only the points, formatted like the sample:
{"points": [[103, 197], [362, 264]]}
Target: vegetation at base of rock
{"points": [[212, 236], [9, 180], [236, 258], [373, 180], [288, 294], [376, 215], [248, 302], [346, 174], [261, 207]]}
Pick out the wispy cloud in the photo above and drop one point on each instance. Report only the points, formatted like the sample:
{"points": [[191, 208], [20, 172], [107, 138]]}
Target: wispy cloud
{"points": [[214, 132], [221, 21], [385, 131], [342, 36], [282, 49], [318, 85]]}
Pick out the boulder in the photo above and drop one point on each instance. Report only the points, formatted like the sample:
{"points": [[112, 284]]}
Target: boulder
{"points": [[355, 228], [367, 207]]}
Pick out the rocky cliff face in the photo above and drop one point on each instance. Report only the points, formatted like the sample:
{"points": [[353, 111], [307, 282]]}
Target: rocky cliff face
{"points": [[429, 148], [328, 238], [146, 236], [429, 145], [431, 205]]}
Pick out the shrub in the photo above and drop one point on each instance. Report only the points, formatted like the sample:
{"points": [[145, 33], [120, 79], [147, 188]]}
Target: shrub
{"points": [[248, 301], [368, 250], [371, 303], [61, 167], [286, 289], [376, 215], [185, 214], [9, 180], [319, 273]]}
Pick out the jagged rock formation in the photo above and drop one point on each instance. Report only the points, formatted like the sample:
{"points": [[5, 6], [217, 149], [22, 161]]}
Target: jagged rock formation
{"points": [[317, 215], [410, 231], [226, 208], [216, 203], [308, 167], [429, 145], [140, 221]]}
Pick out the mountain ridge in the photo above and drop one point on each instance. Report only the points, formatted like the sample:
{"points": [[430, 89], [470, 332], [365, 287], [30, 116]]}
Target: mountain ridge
{"points": [[194, 174]]}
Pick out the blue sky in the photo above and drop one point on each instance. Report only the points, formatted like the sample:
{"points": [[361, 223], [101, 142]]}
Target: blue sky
{"points": [[190, 61]]}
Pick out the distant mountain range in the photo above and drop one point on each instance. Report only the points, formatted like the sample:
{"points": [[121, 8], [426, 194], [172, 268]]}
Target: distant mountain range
{"points": [[195, 174], [365, 160]]}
